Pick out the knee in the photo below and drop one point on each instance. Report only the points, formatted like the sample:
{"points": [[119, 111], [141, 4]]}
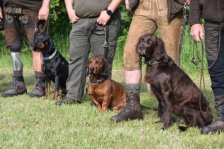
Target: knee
{"points": [[15, 47]]}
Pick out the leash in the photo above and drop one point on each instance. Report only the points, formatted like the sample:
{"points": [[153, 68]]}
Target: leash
{"points": [[42, 26], [196, 61], [105, 44]]}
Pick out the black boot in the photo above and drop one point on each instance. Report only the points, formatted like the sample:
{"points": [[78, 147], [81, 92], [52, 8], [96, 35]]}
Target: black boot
{"points": [[39, 86], [132, 110], [218, 124], [18, 87]]}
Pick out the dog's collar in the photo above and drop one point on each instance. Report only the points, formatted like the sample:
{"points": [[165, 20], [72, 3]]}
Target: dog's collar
{"points": [[152, 62], [96, 82], [99, 80], [50, 57]]}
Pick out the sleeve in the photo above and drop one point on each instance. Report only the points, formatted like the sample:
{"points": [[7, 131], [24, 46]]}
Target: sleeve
{"points": [[195, 12]]}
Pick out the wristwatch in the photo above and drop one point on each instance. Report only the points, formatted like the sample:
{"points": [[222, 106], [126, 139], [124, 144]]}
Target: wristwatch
{"points": [[109, 12]]}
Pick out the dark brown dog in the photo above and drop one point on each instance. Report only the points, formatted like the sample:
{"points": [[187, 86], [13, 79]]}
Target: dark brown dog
{"points": [[175, 91], [105, 93], [55, 66]]}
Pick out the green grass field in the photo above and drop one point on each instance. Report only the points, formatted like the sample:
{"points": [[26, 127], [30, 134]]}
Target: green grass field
{"points": [[38, 123]]}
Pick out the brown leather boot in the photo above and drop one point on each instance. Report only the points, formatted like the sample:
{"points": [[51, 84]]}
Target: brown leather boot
{"points": [[132, 110], [218, 124]]}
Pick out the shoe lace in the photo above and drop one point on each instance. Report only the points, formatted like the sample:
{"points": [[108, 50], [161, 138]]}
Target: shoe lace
{"points": [[39, 85], [14, 84]]}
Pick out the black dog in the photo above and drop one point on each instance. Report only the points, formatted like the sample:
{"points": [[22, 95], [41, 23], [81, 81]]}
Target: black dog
{"points": [[54, 66], [175, 91]]}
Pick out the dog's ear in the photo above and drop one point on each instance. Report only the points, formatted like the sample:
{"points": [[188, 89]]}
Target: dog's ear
{"points": [[160, 52], [87, 68], [106, 66]]}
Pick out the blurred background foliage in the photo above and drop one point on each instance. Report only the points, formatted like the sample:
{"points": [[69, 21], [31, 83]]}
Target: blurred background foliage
{"points": [[59, 29]]}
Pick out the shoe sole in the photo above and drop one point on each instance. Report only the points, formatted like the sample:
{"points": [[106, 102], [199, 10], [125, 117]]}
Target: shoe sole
{"points": [[38, 96], [8, 95]]}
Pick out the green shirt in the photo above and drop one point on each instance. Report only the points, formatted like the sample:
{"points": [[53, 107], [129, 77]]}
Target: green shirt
{"points": [[90, 8], [30, 4]]}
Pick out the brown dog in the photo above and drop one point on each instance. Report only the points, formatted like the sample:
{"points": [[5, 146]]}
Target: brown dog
{"points": [[175, 91], [104, 92]]}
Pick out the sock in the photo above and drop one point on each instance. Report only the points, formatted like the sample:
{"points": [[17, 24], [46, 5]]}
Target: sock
{"points": [[135, 88]]}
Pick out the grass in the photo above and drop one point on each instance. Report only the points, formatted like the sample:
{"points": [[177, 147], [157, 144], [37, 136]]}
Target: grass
{"points": [[38, 123]]}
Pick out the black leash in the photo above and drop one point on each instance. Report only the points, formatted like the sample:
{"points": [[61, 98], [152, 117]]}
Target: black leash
{"points": [[196, 61], [105, 44], [42, 26]]}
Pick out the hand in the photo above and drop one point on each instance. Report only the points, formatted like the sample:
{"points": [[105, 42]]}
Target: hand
{"points": [[197, 32], [127, 5], [103, 18], [72, 16], [1, 16], [43, 13], [188, 2]]}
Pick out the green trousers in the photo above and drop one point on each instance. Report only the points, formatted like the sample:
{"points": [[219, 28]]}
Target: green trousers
{"points": [[86, 36]]}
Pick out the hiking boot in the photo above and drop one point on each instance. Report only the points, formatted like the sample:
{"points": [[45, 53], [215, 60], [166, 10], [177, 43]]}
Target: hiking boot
{"points": [[39, 87], [18, 88], [218, 124], [131, 111], [66, 100]]}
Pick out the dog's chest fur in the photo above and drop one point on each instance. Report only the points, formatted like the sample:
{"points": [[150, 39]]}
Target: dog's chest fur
{"points": [[99, 91], [55, 66]]}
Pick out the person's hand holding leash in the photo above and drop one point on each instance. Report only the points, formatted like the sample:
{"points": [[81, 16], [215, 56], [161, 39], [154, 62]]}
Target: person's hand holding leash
{"points": [[103, 18], [44, 10], [197, 32], [106, 14]]}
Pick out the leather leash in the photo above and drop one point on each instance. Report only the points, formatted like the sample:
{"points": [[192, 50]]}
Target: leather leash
{"points": [[42, 26]]}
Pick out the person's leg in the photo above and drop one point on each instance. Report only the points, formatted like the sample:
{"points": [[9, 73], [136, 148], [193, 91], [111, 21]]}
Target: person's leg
{"points": [[98, 40], [140, 25], [28, 20], [170, 33], [13, 40], [79, 49], [215, 57]]}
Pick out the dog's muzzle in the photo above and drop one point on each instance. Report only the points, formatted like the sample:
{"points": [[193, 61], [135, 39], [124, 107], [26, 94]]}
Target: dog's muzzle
{"points": [[38, 40], [91, 70]]}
